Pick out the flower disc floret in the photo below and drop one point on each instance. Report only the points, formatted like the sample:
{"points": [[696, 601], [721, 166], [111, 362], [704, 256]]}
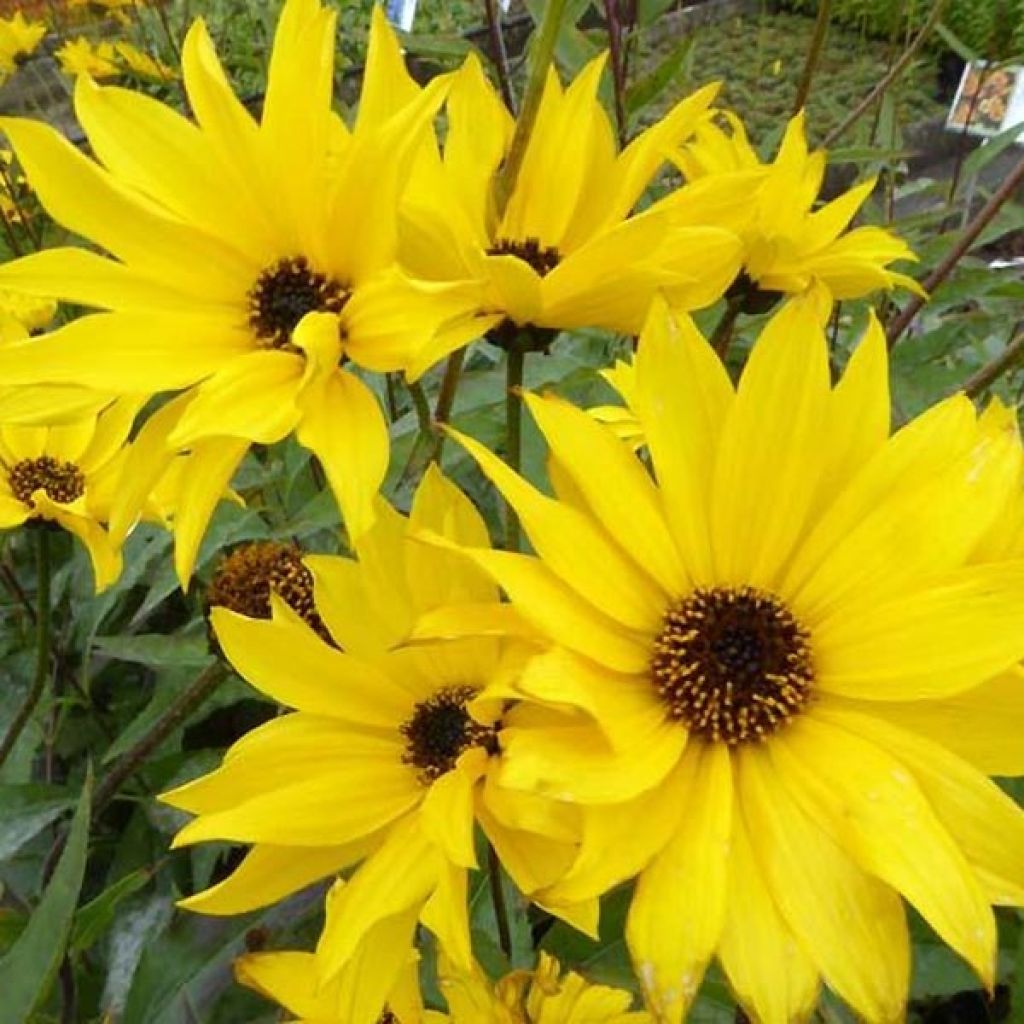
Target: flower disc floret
{"points": [[284, 293], [441, 729], [62, 481], [733, 663]]}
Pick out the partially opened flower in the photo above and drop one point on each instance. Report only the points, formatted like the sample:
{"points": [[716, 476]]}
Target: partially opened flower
{"points": [[143, 64], [788, 244], [566, 248], [223, 235], [78, 57], [770, 664], [62, 475], [380, 985], [391, 757]]}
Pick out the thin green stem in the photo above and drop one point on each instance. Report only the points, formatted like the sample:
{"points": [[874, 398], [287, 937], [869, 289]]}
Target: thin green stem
{"points": [[498, 900], [446, 397], [813, 56], [516, 359], [204, 684], [1003, 363], [889, 77], [543, 51], [43, 662]]}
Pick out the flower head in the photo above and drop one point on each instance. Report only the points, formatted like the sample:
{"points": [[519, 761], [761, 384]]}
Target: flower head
{"points": [[391, 758], [565, 249], [18, 40], [143, 64], [248, 259], [81, 56], [789, 245], [760, 658]]}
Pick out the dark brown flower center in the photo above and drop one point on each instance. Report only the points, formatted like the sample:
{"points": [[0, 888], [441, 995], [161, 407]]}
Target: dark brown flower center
{"points": [[63, 482], [246, 577], [542, 258], [440, 729], [284, 293], [732, 663]]}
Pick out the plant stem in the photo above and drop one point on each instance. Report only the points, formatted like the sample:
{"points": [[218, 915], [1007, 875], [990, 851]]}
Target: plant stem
{"points": [[889, 77], [446, 397], [543, 51], [614, 23], [33, 696], [992, 371], [722, 336], [513, 433], [204, 684], [813, 56], [499, 55], [970, 234], [498, 900]]}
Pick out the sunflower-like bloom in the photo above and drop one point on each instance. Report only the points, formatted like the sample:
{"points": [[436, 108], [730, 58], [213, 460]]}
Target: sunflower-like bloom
{"points": [[248, 259], [18, 40], [392, 754], [66, 475], [771, 664], [788, 245], [562, 250], [78, 57], [544, 995]]}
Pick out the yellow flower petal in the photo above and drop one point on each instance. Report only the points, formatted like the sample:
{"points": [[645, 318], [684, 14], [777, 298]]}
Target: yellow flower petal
{"points": [[678, 911], [874, 810], [446, 816], [853, 926]]}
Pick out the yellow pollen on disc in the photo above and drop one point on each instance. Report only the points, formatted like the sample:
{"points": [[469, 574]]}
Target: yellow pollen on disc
{"points": [[732, 663]]}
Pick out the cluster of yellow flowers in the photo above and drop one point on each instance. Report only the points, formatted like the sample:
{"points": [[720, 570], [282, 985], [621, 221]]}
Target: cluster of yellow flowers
{"points": [[110, 59], [763, 656]]}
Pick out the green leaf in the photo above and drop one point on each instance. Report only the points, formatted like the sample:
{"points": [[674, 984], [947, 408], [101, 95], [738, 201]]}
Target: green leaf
{"points": [[157, 649], [648, 89], [26, 811], [28, 969], [97, 916]]}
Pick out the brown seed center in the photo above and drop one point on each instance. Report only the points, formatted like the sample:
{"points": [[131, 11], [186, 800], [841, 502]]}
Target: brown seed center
{"points": [[732, 663], [63, 482], [284, 293]]}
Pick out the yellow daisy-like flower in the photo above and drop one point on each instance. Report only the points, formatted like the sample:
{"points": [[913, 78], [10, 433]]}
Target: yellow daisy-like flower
{"points": [[64, 475], [18, 40], [545, 995], [78, 57], [789, 245], [248, 259], [770, 667], [143, 64], [392, 755], [563, 250]]}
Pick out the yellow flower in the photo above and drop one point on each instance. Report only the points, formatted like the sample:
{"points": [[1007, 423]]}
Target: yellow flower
{"points": [[564, 250], [544, 995], [788, 245], [78, 57], [18, 40], [249, 259], [62, 474], [391, 756], [21, 314], [770, 663], [143, 64]]}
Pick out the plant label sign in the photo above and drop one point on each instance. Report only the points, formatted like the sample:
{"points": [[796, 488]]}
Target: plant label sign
{"points": [[401, 13], [989, 101]]}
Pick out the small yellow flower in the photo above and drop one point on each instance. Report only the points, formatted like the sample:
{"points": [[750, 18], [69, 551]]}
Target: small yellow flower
{"points": [[390, 760], [28, 312], [82, 57], [789, 245], [568, 248], [18, 40]]}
